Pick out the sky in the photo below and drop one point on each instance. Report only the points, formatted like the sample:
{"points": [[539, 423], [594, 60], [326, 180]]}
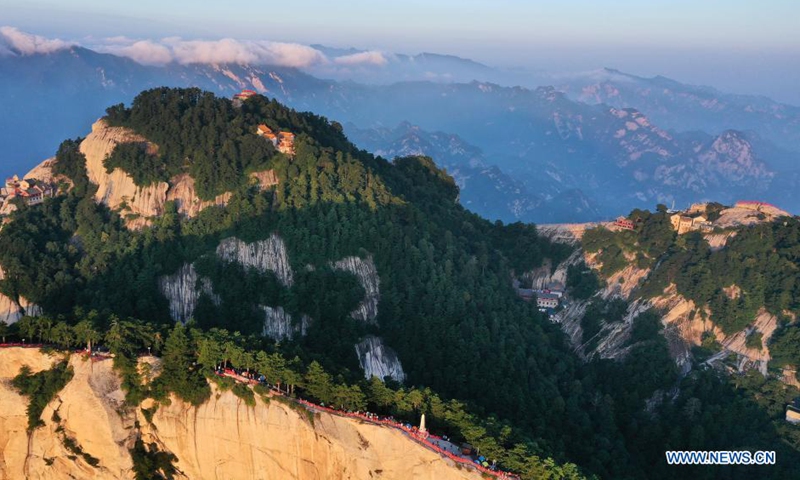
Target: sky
{"points": [[735, 45]]}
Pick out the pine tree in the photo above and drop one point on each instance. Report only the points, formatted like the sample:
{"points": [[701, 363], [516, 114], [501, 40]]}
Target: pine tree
{"points": [[180, 373], [85, 333], [318, 383]]}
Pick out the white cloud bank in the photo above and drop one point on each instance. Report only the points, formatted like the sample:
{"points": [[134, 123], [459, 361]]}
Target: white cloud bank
{"points": [[178, 50], [226, 50], [13, 40], [362, 58], [144, 52]]}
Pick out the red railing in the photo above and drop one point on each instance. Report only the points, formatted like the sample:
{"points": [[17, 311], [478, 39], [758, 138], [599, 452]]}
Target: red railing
{"points": [[414, 433]]}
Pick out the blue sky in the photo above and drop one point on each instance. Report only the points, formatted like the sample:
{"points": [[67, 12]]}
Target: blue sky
{"points": [[748, 46]]}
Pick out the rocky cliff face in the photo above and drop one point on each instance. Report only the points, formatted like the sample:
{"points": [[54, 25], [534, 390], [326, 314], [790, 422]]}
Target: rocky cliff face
{"points": [[279, 325], [85, 412], [378, 360], [367, 275], [685, 323], [613, 337], [569, 233], [221, 439], [44, 172], [117, 188], [138, 204], [183, 193], [12, 310], [183, 289], [268, 255], [688, 323]]}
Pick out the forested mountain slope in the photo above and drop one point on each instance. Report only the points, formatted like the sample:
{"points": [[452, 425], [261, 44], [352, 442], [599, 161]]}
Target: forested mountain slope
{"points": [[353, 264]]}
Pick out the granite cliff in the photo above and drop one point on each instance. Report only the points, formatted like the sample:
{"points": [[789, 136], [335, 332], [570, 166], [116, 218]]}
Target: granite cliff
{"points": [[138, 204], [686, 324], [221, 439]]}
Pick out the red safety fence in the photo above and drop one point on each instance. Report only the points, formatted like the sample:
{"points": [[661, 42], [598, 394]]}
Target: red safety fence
{"points": [[423, 438], [416, 435]]}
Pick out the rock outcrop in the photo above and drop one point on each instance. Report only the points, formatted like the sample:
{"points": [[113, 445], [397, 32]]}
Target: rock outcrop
{"points": [[622, 283], [569, 233], [12, 310], [44, 172], [737, 216], [265, 179], [183, 289], [9, 310], [548, 277], [139, 204], [378, 360], [117, 188], [183, 193], [615, 336], [221, 439], [279, 324], [570, 321], [688, 324], [367, 275], [225, 439], [717, 241], [765, 323], [268, 255]]}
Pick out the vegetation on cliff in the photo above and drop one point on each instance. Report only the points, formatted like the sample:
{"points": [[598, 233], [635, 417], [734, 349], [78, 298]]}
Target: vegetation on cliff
{"points": [[760, 264], [760, 261], [41, 388]]}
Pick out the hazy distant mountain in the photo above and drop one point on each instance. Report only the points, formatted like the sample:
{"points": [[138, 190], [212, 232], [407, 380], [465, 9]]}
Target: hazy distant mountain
{"points": [[682, 107], [484, 188], [373, 67], [552, 144], [541, 154]]}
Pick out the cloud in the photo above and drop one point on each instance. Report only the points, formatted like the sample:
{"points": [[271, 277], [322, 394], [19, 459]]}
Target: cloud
{"points": [[362, 58], [294, 55], [227, 50], [14, 40], [220, 51], [144, 52], [176, 49], [234, 51]]}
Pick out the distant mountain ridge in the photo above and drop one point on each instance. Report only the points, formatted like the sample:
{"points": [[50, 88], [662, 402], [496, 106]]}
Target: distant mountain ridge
{"points": [[555, 157], [484, 188], [683, 107]]}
